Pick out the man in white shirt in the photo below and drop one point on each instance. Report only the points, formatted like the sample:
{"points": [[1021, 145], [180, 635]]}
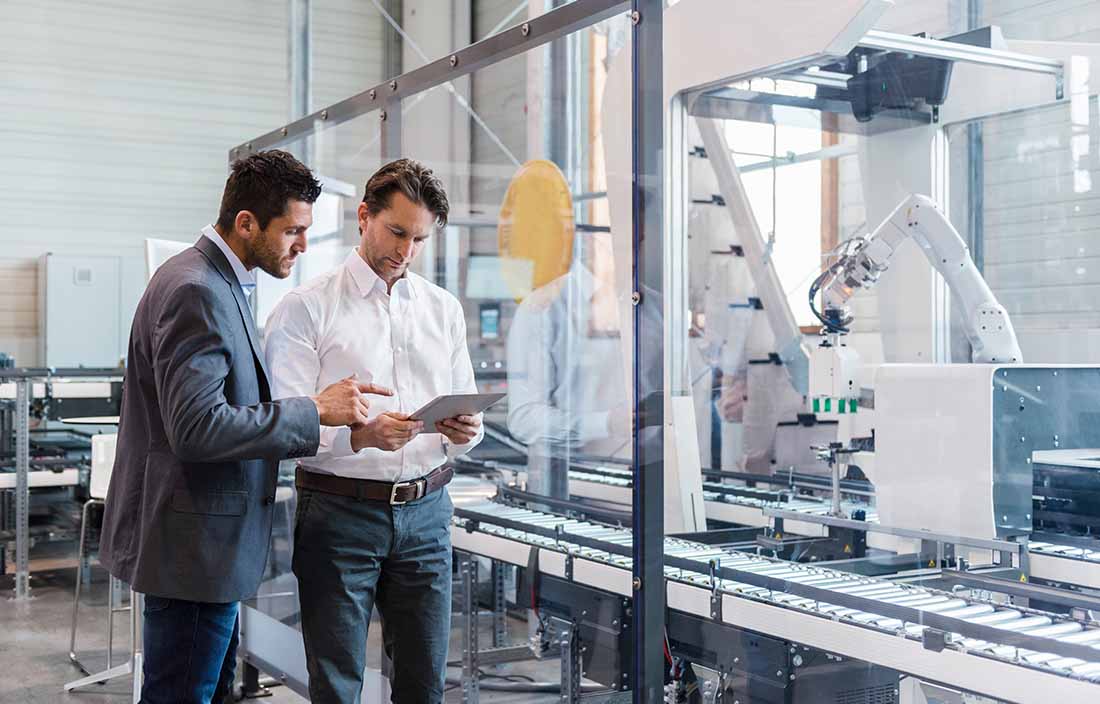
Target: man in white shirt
{"points": [[373, 524]]}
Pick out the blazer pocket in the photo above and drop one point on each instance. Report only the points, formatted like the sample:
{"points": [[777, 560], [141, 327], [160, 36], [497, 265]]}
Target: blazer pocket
{"points": [[212, 503]]}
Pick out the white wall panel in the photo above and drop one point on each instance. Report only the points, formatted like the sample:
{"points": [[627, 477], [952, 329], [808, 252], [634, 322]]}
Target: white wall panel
{"points": [[116, 117], [1042, 206], [115, 123]]}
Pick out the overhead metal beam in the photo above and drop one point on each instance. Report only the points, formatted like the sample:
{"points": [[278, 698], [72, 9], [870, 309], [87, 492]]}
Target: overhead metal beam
{"points": [[531, 34], [956, 51], [833, 152], [829, 79]]}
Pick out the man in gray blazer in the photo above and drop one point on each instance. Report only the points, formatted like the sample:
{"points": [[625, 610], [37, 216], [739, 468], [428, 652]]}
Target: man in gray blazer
{"points": [[188, 515]]}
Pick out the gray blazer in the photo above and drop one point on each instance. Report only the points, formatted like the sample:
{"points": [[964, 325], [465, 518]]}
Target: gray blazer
{"points": [[189, 507]]}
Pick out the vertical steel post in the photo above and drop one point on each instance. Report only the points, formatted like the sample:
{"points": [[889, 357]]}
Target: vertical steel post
{"points": [[300, 57], [300, 72], [137, 647], [648, 107], [22, 489], [470, 689], [500, 613], [112, 590], [391, 40], [391, 130], [570, 665]]}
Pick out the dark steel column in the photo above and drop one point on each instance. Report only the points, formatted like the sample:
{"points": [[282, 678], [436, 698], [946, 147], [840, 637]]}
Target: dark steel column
{"points": [[648, 108]]}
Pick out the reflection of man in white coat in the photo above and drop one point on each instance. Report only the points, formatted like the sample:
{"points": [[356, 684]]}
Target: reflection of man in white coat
{"points": [[565, 392]]}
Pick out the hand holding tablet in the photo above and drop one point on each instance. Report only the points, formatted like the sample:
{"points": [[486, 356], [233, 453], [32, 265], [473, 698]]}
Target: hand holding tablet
{"points": [[452, 406]]}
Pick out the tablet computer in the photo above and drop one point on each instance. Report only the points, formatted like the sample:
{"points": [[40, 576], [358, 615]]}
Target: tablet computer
{"points": [[443, 407]]}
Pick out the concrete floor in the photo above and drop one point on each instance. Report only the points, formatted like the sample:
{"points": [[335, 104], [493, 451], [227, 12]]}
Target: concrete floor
{"points": [[34, 636], [34, 642]]}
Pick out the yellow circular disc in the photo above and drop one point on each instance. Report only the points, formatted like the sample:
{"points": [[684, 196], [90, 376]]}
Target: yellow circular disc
{"points": [[536, 227]]}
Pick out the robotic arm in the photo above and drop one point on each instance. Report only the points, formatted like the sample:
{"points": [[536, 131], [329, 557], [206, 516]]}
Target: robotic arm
{"points": [[863, 260]]}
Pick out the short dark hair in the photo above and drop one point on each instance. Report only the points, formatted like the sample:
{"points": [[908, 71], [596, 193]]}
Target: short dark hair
{"points": [[263, 183], [413, 180]]}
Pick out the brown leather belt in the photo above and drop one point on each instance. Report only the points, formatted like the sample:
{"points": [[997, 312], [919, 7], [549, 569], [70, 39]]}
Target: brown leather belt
{"points": [[396, 493]]}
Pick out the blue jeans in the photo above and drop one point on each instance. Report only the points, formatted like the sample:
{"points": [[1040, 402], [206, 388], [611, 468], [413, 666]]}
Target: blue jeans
{"points": [[350, 555], [190, 651]]}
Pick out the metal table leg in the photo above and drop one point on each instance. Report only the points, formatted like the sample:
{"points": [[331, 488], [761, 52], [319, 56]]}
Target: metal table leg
{"points": [[470, 689], [133, 664]]}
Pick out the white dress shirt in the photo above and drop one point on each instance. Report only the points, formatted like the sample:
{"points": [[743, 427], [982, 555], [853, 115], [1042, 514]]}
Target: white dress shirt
{"points": [[564, 378], [245, 278], [412, 340]]}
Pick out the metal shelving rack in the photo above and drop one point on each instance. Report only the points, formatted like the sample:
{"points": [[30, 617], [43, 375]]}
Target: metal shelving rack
{"points": [[24, 379]]}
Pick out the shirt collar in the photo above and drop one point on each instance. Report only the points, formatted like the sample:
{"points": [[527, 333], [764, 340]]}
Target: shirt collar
{"points": [[368, 281], [245, 278]]}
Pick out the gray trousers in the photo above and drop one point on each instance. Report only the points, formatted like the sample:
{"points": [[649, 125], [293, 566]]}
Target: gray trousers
{"points": [[350, 555]]}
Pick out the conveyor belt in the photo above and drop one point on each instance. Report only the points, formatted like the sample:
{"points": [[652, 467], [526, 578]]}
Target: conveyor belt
{"points": [[1034, 651], [1067, 551], [1051, 561]]}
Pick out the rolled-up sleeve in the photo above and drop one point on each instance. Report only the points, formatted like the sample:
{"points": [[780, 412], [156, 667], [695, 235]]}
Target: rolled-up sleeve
{"points": [[290, 347]]}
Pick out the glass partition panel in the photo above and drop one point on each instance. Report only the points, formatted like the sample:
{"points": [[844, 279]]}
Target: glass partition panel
{"points": [[543, 282], [860, 399], [801, 178], [1022, 195], [528, 250], [342, 157]]}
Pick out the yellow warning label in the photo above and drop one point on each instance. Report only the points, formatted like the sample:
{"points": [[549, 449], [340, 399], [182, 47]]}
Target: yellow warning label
{"points": [[848, 548], [1023, 578]]}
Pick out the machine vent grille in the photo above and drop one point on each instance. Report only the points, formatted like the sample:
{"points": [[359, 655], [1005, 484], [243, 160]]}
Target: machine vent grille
{"points": [[883, 694]]}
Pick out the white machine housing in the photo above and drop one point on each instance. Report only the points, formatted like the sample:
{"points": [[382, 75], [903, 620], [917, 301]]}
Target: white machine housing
{"points": [[939, 432]]}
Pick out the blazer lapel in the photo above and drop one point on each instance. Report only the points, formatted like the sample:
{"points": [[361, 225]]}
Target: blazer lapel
{"points": [[215, 256]]}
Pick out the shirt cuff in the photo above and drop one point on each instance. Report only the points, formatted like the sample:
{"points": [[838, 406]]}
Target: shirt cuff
{"points": [[595, 426], [341, 443]]}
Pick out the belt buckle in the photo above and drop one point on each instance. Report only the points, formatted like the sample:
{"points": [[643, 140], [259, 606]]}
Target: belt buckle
{"points": [[420, 485]]}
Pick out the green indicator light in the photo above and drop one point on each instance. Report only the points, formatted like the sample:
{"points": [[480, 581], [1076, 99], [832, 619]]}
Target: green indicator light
{"points": [[817, 405], [853, 405], [828, 405], [840, 406]]}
